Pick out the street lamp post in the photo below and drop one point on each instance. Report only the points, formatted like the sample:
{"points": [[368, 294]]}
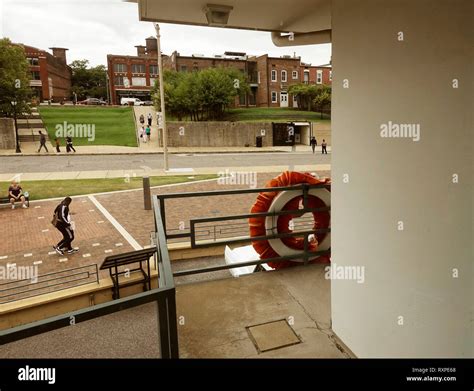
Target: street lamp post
{"points": [[14, 103], [162, 98]]}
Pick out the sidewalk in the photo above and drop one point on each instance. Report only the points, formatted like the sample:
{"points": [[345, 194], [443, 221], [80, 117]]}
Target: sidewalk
{"points": [[104, 174], [30, 149]]}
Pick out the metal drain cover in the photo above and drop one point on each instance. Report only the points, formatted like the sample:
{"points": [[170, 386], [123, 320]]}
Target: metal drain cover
{"points": [[272, 335]]}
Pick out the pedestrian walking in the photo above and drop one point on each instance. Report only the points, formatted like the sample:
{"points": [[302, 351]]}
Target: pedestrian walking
{"points": [[313, 143], [143, 135], [142, 120], [42, 142], [148, 133], [323, 147], [69, 145], [56, 141], [149, 119], [62, 222]]}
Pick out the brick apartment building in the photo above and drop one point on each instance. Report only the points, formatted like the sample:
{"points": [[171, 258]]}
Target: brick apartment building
{"points": [[269, 78], [275, 76], [50, 74]]}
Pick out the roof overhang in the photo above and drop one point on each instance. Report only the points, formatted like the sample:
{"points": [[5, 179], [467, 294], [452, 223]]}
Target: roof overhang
{"points": [[296, 16]]}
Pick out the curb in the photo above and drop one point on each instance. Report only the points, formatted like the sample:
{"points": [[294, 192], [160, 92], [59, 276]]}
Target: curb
{"points": [[138, 153]]}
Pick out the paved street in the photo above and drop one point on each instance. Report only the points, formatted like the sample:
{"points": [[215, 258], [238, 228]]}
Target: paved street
{"points": [[32, 164]]}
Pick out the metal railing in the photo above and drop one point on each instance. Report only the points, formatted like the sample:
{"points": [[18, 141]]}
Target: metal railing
{"points": [[195, 232], [48, 283]]}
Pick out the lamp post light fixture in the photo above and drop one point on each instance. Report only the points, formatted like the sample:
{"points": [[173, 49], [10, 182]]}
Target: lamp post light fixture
{"points": [[162, 98], [14, 103]]}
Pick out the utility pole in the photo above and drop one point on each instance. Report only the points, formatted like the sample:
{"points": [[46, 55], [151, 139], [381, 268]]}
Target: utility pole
{"points": [[162, 98], [14, 103]]}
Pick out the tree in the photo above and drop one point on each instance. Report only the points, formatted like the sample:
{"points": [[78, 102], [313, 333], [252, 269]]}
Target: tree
{"points": [[310, 96], [201, 95], [88, 82], [305, 94], [323, 98], [14, 79]]}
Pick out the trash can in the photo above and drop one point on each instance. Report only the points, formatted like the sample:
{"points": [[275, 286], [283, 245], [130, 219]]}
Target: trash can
{"points": [[259, 141]]}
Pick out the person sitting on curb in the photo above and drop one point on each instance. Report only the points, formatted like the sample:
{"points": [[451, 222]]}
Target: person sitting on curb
{"points": [[15, 194]]}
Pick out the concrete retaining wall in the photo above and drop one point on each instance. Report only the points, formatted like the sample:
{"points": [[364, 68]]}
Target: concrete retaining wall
{"points": [[7, 133], [218, 134]]}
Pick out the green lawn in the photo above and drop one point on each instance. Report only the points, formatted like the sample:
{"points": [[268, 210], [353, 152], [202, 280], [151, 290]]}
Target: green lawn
{"points": [[62, 188], [113, 125], [270, 114]]}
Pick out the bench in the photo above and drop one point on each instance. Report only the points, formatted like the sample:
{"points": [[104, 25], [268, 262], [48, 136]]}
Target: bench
{"points": [[113, 262], [5, 201]]}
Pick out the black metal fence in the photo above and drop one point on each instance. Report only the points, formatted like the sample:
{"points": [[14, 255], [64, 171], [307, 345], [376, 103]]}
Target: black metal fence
{"points": [[48, 283]]}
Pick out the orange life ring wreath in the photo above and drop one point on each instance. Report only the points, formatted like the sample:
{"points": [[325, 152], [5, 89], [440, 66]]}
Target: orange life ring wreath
{"points": [[290, 200]]}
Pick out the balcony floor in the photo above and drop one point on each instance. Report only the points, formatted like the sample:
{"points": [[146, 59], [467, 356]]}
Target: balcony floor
{"points": [[214, 316]]}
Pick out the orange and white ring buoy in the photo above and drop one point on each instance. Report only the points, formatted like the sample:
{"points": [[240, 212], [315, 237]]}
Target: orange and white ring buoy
{"points": [[290, 200]]}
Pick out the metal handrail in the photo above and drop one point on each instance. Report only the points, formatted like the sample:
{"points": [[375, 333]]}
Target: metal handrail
{"points": [[36, 288]]}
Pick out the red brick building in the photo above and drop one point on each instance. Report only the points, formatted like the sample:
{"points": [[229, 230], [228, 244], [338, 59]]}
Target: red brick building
{"points": [[50, 74], [269, 77], [134, 76], [275, 76], [320, 74]]}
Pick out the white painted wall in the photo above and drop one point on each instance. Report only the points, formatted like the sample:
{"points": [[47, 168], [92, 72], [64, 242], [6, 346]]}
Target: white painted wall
{"points": [[407, 273]]}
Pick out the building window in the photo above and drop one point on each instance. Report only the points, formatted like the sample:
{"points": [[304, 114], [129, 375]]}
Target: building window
{"points": [[319, 76], [35, 75], [183, 68], [195, 68], [295, 75], [306, 76], [120, 67], [118, 80], [139, 81], [330, 75], [274, 75], [152, 81], [33, 61], [284, 76], [258, 77], [138, 68], [274, 97], [154, 69]]}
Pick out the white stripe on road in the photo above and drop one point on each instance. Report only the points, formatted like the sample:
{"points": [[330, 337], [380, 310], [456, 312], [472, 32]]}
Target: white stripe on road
{"points": [[86, 255], [28, 255], [4, 257], [107, 251], [116, 224], [62, 259], [95, 244], [37, 262]]}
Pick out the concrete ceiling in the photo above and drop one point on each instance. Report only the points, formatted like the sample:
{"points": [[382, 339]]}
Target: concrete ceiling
{"points": [[297, 16]]}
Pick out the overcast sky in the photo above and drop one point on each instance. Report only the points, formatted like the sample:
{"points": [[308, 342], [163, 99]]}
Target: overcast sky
{"points": [[91, 29]]}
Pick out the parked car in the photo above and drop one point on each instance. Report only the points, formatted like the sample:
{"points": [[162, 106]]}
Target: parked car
{"points": [[92, 101], [131, 102], [148, 103]]}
